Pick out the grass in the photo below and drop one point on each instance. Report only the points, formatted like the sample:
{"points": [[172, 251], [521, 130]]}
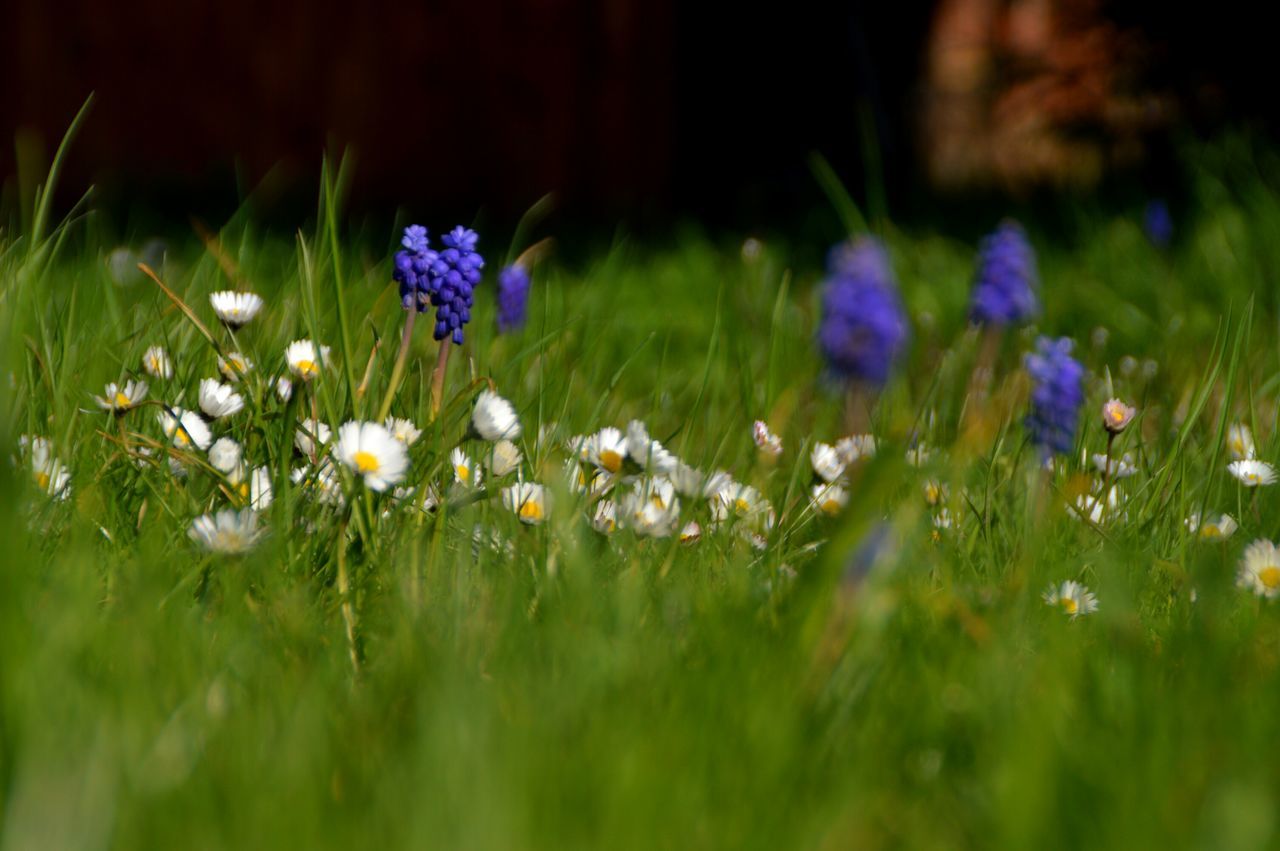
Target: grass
{"points": [[564, 689]]}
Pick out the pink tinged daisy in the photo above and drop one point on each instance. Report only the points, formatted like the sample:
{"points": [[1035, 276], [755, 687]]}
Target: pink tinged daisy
{"points": [[691, 532], [766, 441], [1252, 473], [185, 428], [235, 309], [372, 453], [234, 366], [529, 501], [1072, 598], [1116, 416], [1260, 569], [228, 532], [305, 359], [118, 398], [219, 400], [156, 363]]}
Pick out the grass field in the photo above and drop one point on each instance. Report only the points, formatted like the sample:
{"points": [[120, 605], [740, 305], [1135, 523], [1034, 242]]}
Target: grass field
{"points": [[375, 674]]}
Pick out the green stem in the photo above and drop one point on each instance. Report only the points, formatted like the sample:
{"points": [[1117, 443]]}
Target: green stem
{"points": [[397, 371]]}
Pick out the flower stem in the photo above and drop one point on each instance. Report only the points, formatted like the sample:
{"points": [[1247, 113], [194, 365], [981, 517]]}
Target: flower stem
{"points": [[437, 378], [344, 594], [397, 371]]}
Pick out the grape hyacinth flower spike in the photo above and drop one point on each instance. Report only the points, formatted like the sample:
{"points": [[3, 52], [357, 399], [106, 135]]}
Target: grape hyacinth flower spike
{"points": [[1004, 289], [452, 279], [513, 298], [864, 328], [1056, 396]]}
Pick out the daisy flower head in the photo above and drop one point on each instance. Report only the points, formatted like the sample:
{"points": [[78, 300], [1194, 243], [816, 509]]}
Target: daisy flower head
{"points": [[235, 309], [1115, 468], [1212, 528], [1260, 569], [604, 517], [743, 503], [234, 366], [494, 418], [651, 455], [651, 508], [49, 474], [828, 499], [403, 430], [260, 493], [156, 363], [1095, 508], [305, 359], [942, 520], [529, 501], [228, 532], [1252, 473], [321, 482], [855, 447], [766, 441], [1240, 442], [309, 434], [935, 492], [691, 532], [585, 479], [284, 388], [219, 400], [185, 428], [919, 454], [225, 456], [1072, 598], [371, 451], [504, 458], [118, 398], [465, 471], [607, 449], [1116, 415], [826, 462]]}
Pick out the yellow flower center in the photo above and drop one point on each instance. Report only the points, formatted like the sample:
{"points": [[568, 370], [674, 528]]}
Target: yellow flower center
{"points": [[741, 506], [155, 363], [1069, 605], [122, 401], [1211, 530], [181, 437], [462, 473], [932, 493], [611, 461], [306, 368], [244, 490], [1269, 576], [366, 462], [831, 507], [1237, 446], [531, 510], [1252, 477], [42, 479], [656, 499], [1117, 416]]}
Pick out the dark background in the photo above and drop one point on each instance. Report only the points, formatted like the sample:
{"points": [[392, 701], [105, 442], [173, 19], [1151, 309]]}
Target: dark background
{"points": [[637, 111]]}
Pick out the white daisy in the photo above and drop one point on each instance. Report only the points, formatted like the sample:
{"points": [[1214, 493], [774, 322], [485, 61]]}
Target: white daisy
{"points": [[235, 308], [1097, 509], [1115, 468], [494, 418], [855, 447], [744, 503], [651, 455], [230, 532], [942, 520], [284, 388], [321, 482], [828, 499], [49, 474], [504, 458], [1116, 415], [1252, 474], [225, 456], [585, 479], [604, 517], [688, 480], [120, 398], [371, 451], [935, 492], [826, 462], [1213, 528], [403, 430], [607, 449], [651, 508], [919, 455], [155, 360], [1240, 442], [465, 471], [185, 428], [1073, 598], [260, 491], [1260, 569], [219, 400], [766, 441], [305, 360], [527, 500], [308, 434], [691, 532], [234, 366]]}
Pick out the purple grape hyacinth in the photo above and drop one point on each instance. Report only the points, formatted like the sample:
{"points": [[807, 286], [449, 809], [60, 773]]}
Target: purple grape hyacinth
{"points": [[1056, 396], [1004, 289], [513, 298], [452, 279], [864, 327], [412, 264], [1157, 221]]}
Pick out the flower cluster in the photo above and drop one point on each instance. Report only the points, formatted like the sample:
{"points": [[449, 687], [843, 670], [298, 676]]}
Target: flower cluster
{"points": [[1004, 290], [452, 279], [413, 263], [1056, 396], [864, 328]]}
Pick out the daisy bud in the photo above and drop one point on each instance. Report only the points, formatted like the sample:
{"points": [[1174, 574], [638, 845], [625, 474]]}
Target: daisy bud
{"points": [[1116, 416], [766, 441]]}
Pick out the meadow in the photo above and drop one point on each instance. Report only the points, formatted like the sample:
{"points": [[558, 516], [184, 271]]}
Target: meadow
{"points": [[441, 639]]}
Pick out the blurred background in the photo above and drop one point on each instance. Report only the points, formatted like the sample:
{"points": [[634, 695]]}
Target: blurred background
{"points": [[640, 111]]}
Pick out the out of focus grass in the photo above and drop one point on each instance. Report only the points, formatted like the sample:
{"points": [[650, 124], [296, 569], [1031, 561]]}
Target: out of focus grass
{"points": [[583, 692]]}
